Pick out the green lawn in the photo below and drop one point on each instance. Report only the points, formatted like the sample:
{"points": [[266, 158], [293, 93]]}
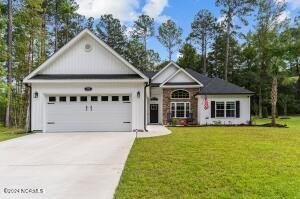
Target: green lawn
{"points": [[216, 162], [9, 133]]}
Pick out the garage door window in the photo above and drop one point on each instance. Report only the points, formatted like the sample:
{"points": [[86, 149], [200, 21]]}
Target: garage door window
{"points": [[73, 99], [104, 98], [115, 98], [52, 99], [83, 98], [94, 98], [125, 98], [62, 99]]}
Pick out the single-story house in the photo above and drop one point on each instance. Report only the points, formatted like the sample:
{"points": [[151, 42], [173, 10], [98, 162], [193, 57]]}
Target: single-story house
{"points": [[87, 86]]}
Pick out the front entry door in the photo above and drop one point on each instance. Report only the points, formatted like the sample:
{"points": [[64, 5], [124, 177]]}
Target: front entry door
{"points": [[153, 113]]}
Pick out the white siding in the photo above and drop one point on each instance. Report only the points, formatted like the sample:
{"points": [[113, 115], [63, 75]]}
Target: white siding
{"points": [[77, 61], [156, 92], [181, 77], [166, 74], [204, 115], [39, 104]]}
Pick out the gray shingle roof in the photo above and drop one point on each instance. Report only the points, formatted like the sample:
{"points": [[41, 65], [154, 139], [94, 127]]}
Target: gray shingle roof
{"points": [[216, 85], [149, 74], [85, 76]]}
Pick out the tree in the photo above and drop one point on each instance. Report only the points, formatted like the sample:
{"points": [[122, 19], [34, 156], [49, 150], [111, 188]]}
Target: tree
{"points": [[9, 61], [233, 9], [90, 24], [110, 30], [135, 54], [169, 36], [188, 57], [204, 28], [143, 29]]}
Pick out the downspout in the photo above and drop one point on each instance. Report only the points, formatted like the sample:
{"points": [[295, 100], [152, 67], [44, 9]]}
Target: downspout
{"points": [[30, 107], [147, 84]]}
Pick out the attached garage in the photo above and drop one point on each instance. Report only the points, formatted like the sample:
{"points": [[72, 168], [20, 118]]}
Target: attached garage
{"points": [[88, 113], [85, 87]]}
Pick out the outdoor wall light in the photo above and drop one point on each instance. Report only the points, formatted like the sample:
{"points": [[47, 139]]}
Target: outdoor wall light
{"points": [[138, 94], [36, 94]]}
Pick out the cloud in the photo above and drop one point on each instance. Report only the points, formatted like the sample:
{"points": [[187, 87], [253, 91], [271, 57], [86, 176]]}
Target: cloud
{"points": [[125, 10], [285, 15], [154, 9]]}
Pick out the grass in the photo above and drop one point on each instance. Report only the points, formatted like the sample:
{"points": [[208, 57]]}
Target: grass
{"points": [[215, 162], [10, 133]]}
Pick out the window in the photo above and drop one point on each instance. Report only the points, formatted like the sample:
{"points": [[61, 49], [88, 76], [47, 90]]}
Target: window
{"points": [[220, 109], [180, 94], [115, 98], [125, 98], [73, 99], [62, 99], [83, 98], [180, 109], [94, 98], [104, 98], [52, 99], [230, 109]]}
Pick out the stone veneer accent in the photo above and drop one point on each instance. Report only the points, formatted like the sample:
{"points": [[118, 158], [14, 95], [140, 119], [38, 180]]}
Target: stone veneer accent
{"points": [[167, 102]]}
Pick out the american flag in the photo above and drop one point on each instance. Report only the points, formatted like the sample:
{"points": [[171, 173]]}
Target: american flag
{"points": [[205, 102]]}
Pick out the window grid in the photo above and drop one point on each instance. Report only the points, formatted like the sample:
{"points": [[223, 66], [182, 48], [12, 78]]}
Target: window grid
{"points": [[180, 94], [225, 109], [180, 109]]}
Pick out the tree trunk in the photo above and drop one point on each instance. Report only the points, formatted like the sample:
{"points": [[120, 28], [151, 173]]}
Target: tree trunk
{"points": [[227, 50], [9, 63], [203, 54], [285, 109], [274, 99], [56, 27], [260, 99]]}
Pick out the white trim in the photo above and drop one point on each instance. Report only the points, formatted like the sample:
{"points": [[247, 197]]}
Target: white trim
{"points": [[225, 109], [181, 86], [184, 109], [86, 81], [159, 72], [184, 71], [180, 98], [70, 43]]}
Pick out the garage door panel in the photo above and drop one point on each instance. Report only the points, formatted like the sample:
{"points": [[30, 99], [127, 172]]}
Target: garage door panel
{"points": [[88, 116]]}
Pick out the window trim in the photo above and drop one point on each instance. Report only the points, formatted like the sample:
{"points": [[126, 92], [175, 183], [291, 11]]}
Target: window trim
{"points": [[180, 98], [225, 109], [185, 116]]}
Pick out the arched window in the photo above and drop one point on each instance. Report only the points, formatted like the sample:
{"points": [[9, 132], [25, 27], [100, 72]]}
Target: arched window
{"points": [[154, 99], [180, 94]]}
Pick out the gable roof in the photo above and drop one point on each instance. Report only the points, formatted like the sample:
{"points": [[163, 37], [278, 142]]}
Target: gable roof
{"points": [[181, 70], [83, 33], [164, 68], [217, 86]]}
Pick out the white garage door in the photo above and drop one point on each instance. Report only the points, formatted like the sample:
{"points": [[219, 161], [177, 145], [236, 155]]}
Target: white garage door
{"points": [[88, 113]]}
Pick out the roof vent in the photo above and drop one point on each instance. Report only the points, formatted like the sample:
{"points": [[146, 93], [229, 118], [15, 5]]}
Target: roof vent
{"points": [[88, 47]]}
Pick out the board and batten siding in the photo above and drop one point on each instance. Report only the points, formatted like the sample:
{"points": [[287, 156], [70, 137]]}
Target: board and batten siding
{"points": [[66, 89], [164, 75], [76, 60], [181, 77], [158, 93], [204, 116]]}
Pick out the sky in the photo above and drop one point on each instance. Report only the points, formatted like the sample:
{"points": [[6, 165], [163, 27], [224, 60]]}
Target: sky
{"points": [[181, 11]]}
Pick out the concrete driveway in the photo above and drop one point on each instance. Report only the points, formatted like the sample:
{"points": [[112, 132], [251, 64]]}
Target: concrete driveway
{"points": [[63, 165]]}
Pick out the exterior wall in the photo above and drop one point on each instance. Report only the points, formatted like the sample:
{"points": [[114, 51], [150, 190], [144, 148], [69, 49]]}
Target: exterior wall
{"points": [[181, 77], [164, 75], [204, 115], [167, 102], [77, 61], [38, 117], [158, 93]]}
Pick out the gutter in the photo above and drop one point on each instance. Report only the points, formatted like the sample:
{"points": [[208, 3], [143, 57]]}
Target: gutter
{"points": [[145, 104]]}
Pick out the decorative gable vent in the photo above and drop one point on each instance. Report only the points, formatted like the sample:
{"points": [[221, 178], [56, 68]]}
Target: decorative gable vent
{"points": [[88, 47]]}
